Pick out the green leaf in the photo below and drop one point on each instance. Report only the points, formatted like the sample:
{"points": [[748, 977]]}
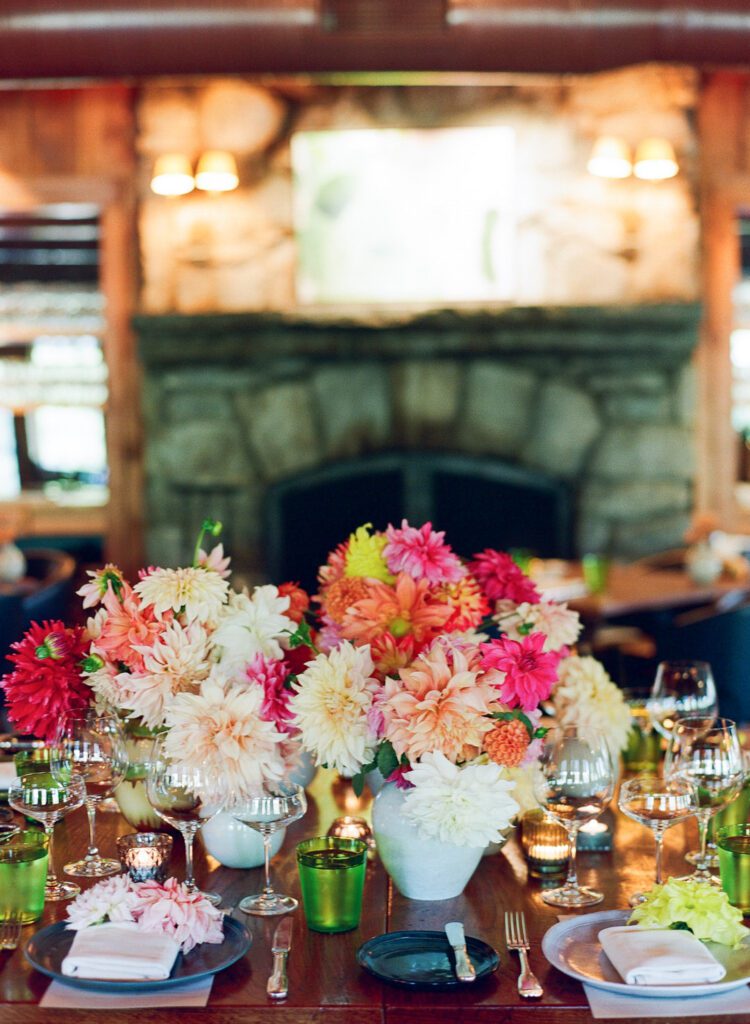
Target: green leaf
{"points": [[386, 760], [525, 628], [291, 678], [358, 783], [302, 637], [516, 713]]}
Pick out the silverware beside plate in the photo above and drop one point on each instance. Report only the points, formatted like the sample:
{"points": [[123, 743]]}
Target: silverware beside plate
{"points": [[278, 984], [464, 968]]}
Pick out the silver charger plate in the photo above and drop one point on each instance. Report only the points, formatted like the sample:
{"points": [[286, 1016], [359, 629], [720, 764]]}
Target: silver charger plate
{"points": [[573, 947]]}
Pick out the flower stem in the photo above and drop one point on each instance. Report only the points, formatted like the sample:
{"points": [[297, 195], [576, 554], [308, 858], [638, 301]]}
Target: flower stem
{"points": [[211, 526]]}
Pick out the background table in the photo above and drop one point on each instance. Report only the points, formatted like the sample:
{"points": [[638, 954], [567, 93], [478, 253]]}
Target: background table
{"points": [[325, 982]]}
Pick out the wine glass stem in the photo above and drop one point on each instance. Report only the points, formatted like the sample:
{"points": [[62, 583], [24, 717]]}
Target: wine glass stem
{"points": [[93, 852], [189, 835], [267, 888], [703, 819], [659, 837], [49, 831], [571, 882]]}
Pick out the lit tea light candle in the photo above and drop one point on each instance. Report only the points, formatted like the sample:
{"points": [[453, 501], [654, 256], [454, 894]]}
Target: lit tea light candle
{"points": [[348, 827], [545, 844], [594, 835], [144, 855]]}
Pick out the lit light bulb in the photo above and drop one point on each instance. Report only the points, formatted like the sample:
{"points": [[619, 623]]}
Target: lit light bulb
{"points": [[217, 171], [173, 175], [610, 158], [655, 160]]}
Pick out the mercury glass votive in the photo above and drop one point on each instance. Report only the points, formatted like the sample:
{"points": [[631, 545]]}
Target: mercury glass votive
{"points": [[348, 827], [145, 855], [545, 844]]}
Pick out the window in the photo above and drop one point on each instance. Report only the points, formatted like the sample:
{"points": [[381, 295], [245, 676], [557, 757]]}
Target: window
{"points": [[404, 216]]}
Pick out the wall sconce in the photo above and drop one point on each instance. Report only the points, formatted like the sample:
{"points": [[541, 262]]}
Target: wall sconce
{"points": [[173, 173], [654, 159]]}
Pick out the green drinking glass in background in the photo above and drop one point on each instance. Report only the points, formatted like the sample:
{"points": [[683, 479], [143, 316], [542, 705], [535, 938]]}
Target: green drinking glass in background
{"points": [[643, 752], [23, 876], [29, 762], [332, 877], [595, 570], [733, 842]]}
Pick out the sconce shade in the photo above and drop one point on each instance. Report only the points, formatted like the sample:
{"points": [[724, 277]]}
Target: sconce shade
{"points": [[217, 171], [655, 160], [610, 158], [173, 175]]}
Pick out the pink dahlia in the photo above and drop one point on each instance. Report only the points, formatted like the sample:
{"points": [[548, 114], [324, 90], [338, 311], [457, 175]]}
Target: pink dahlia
{"points": [[422, 553], [46, 684], [171, 909], [501, 578], [530, 672], [127, 627], [271, 676]]}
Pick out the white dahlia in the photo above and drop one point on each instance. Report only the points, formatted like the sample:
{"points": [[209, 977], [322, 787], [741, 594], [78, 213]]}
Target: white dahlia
{"points": [[198, 593], [330, 708], [560, 624], [220, 729], [586, 697], [249, 626], [466, 806]]}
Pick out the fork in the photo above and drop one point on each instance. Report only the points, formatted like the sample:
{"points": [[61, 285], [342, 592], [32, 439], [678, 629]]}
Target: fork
{"points": [[10, 933], [516, 939]]}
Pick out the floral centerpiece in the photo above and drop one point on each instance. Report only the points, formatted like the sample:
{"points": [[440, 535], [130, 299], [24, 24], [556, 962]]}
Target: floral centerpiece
{"points": [[177, 652], [405, 680]]}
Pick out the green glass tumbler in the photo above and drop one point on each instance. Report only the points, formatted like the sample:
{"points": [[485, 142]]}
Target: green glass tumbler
{"points": [[595, 570], [733, 842], [332, 878], [29, 762], [23, 875]]}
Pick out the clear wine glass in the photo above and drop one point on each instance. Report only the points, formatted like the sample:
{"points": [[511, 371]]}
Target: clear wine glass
{"points": [[682, 689], [576, 784], [92, 746], [276, 807], [711, 759], [185, 796], [657, 803], [42, 797]]}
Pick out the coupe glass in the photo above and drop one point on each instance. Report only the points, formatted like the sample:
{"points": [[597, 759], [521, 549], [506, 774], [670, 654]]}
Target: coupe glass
{"points": [[577, 782], [42, 797], [92, 746], [185, 796], [711, 759], [682, 689], [657, 803], [276, 807]]}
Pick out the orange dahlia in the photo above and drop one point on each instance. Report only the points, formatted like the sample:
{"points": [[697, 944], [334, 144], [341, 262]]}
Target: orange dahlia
{"points": [[467, 602], [507, 743], [342, 594], [406, 609]]}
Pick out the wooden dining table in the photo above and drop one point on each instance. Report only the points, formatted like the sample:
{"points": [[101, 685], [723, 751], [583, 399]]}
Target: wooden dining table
{"points": [[325, 981]]}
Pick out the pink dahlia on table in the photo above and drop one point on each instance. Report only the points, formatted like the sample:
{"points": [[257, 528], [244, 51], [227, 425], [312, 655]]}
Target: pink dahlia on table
{"points": [[422, 554], [529, 673], [46, 683]]}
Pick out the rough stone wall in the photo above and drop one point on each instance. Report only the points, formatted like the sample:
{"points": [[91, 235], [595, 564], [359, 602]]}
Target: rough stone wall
{"points": [[579, 240], [612, 416]]}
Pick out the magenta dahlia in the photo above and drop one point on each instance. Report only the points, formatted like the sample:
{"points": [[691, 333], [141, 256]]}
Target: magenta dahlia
{"points": [[500, 578]]}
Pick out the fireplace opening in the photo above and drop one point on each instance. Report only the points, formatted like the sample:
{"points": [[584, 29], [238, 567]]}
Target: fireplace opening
{"points": [[479, 502]]}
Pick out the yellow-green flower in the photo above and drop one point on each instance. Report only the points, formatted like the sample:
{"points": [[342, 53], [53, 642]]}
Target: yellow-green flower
{"points": [[364, 556], [704, 909]]}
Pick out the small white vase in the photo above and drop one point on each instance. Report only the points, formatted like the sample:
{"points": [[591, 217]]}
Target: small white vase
{"points": [[305, 771], [421, 869], [236, 845], [374, 781], [703, 565]]}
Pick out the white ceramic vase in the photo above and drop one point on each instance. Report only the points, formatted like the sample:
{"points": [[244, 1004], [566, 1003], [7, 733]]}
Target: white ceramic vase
{"points": [[305, 771], [421, 869], [374, 781], [236, 845]]}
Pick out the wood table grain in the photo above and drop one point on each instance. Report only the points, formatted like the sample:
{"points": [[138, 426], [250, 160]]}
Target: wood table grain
{"points": [[325, 982]]}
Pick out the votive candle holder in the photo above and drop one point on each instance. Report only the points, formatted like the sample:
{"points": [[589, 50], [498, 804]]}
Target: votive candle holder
{"points": [[145, 855], [545, 844]]}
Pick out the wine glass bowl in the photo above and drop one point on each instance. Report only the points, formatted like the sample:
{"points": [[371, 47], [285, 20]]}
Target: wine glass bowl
{"points": [[681, 690], [92, 746], [576, 784], [657, 803], [45, 799], [276, 807], [712, 761], [185, 796]]}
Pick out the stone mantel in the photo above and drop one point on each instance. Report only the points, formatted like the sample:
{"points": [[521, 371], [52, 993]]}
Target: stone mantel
{"points": [[598, 399], [666, 334]]}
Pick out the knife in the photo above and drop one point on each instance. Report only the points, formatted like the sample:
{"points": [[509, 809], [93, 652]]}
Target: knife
{"points": [[464, 967], [278, 984]]}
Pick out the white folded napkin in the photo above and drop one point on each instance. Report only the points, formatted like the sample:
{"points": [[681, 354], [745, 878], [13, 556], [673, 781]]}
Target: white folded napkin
{"points": [[120, 952], [659, 956]]}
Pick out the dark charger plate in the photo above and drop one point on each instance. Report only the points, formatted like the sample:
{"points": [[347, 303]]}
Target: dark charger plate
{"points": [[48, 948], [417, 959]]}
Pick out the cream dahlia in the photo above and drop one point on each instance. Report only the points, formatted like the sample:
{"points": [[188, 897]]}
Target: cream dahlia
{"points": [[468, 806], [253, 625], [560, 624], [197, 593], [221, 729], [586, 697], [333, 697]]}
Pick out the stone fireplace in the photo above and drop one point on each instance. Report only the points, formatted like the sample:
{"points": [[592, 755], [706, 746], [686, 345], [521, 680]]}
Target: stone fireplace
{"points": [[597, 400]]}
